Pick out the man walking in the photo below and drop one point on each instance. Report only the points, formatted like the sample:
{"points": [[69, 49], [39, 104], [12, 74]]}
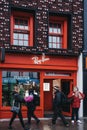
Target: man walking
{"points": [[57, 106]]}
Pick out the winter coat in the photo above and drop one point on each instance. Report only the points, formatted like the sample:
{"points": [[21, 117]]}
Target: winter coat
{"points": [[17, 99], [76, 100], [58, 100], [33, 103]]}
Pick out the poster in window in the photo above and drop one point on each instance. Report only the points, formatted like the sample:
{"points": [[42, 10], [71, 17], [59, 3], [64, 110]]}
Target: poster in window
{"points": [[46, 86]]}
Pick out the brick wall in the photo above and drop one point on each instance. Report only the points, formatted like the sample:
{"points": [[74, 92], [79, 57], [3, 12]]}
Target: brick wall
{"points": [[42, 9]]}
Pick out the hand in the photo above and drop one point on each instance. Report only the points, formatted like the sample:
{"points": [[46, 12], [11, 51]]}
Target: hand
{"points": [[73, 94]]}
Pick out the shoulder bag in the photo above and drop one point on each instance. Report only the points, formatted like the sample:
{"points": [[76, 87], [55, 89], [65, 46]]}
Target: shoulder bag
{"points": [[15, 108]]}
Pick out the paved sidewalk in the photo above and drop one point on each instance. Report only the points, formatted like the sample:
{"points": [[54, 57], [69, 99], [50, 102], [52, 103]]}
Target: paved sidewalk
{"points": [[45, 124]]}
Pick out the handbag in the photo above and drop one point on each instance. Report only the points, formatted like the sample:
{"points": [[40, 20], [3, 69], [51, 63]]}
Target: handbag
{"points": [[29, 98], [15, 108]]}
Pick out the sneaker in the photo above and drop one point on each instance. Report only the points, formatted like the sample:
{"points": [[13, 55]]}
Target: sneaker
{"points": [[72, 121], [78, 121]]}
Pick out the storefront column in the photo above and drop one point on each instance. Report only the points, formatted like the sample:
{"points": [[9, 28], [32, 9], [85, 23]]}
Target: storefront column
{"points": [[80, 81]]}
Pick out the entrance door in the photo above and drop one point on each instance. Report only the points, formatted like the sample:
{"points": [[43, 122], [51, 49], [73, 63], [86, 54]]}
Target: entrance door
{"points": [[66, 87], [48, 96]]}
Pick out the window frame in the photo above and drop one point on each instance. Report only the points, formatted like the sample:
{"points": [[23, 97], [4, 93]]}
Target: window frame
{"points": [[24, 16], [64, 22]]}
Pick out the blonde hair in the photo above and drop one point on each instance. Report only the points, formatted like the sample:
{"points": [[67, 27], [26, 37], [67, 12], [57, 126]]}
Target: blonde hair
{"points": [[75, 89]]}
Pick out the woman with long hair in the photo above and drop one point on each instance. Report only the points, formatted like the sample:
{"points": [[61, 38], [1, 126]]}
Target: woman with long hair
{"points": [[17, 102]]}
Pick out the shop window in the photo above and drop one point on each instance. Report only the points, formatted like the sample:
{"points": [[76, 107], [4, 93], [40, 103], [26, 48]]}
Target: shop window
{"points": [[23, 79], [57, 32], [21, 29]]}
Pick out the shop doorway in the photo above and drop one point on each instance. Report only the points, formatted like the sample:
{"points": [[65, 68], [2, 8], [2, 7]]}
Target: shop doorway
{"points": [[66, 87], [48, 97]]}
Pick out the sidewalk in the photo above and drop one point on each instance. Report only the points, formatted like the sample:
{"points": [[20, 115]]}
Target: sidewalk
{"points": [[45, 124]]}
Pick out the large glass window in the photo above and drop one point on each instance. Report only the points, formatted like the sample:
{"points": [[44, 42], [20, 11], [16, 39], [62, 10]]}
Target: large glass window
{"points": [[23, 79]]}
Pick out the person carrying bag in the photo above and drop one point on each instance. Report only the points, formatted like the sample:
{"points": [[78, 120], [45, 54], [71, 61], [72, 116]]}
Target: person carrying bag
{"points": [[31, 103], [16, 108]]}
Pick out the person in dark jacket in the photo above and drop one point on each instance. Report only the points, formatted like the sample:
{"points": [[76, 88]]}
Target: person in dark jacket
{"points": [[31, 106], [17, 101], [57, 106]]}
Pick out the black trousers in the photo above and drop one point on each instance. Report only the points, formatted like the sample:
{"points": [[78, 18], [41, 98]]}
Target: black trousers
{"points": [[75, 113], [19, 116], [58, 112], [30, 113]]}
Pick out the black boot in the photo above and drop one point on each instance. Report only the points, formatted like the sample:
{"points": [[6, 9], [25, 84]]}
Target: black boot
{"points": [[10, 127], [37, 121]]}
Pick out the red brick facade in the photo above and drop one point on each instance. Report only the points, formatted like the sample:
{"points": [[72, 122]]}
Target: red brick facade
{"points": [[52, 63], [73, 9]]}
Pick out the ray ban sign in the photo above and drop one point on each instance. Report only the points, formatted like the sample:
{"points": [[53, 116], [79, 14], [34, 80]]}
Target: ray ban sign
{"points": [[38, 60]]}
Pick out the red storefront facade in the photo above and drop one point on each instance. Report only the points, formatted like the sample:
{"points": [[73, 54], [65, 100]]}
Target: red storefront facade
{"points": [[42, 41], [52, 69]]}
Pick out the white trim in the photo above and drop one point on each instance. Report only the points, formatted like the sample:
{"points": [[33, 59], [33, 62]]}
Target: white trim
{"points": [[80, 81]]}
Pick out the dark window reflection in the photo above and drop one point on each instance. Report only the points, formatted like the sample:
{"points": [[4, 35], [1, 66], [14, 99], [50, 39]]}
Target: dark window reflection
{"points": [[23, 79]]}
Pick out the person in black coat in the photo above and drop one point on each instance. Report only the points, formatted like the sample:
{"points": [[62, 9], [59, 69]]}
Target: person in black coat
{"points": [[31, 106], [17, 101], [57, 106]]}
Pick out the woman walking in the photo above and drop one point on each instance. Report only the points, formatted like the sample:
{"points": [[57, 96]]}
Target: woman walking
{"points": [[31, 106], [17, 102]]}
